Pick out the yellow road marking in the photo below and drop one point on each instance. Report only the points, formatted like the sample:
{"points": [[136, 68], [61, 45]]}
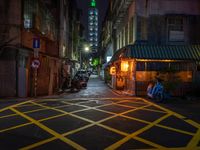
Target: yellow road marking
{"points": [[25, 105], [38, 143], [143, 108], [173, 129], [149, 104], [15, 127], [182, 148], [48, 118], [120, 142], [6, 108], [193, 123], [31, 111], [53, 138], [195, 140], [52, 132], [146, 142], [52, 117], [143, 121], [114, 130], [11, 115]]}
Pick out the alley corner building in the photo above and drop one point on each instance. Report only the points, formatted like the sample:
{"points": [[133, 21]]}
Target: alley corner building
{"points": [[93, 26]]}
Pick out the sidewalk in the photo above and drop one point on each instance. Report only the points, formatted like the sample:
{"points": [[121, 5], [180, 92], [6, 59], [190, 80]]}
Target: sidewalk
{"points": [[120, 92]]}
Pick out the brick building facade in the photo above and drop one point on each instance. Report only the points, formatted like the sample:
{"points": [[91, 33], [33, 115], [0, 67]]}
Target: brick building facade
{"points": [[22, 21]]}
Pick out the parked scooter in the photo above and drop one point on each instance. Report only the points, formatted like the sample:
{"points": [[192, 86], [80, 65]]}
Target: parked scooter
{"points": [[156, 92], [66, 83], [83, 81], [78, 82], [75, 84]]}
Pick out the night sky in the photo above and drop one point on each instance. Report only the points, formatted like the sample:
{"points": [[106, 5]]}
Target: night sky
{"points": [[101, 6]]}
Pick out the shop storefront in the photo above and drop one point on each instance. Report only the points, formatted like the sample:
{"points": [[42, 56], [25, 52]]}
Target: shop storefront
{"points": [[137, 65]]}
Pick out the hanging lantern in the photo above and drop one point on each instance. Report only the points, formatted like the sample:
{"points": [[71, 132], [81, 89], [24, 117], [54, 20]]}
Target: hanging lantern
{"points": [[124, 66], [113, 70]]}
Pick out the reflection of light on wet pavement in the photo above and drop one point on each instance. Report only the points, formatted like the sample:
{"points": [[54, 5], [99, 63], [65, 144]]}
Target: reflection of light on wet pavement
{"points": [[94, 76]]}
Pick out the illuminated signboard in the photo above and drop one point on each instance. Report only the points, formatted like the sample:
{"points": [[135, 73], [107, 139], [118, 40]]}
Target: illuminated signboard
{"points": [[93, 3], [124, 66], [112, 71]]}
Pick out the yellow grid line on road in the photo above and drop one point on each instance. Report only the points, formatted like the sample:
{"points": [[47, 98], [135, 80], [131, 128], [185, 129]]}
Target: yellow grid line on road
{"points": [[191, 122], [173, 129], [24, 105], [6, 108], [48, 118], [147, 122], [97, 123], [52, 132], [11, 115], [143, 121], [38, 143], [15, 127], [136, 119], [90, 120], [89, 107], [54, 138], [146, 142], [134, 102], [31, 111], [70, 132], [115, 115], [181, 148], [122, 141], [195, 140], [142, 109]]}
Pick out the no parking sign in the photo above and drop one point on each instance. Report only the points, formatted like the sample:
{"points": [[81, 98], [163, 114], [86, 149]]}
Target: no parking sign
{"points": [[35, 63]]}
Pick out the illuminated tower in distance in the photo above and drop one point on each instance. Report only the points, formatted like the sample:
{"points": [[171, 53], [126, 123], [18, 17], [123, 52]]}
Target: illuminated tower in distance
{"points": [[93, 26]]}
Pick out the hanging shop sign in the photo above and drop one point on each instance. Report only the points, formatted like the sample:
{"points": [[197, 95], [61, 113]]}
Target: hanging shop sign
{"points": [[112, 70]]}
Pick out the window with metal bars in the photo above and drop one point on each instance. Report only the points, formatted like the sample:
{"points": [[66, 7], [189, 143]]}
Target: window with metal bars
{"points": [[38, 16], [175, 26]]}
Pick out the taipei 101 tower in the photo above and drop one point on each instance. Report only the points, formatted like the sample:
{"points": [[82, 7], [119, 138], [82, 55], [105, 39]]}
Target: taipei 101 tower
{"points": [[93, 26]]}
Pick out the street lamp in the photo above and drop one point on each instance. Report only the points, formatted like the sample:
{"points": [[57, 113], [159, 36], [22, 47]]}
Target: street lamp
{"points": [[86, 49]]}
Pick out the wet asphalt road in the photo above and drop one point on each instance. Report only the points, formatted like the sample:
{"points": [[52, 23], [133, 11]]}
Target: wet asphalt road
{"points": [[96, 89], [95, 118]]}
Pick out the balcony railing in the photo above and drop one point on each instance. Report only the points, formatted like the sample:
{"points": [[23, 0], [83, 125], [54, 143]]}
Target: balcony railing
{"points": [[119, 12]]}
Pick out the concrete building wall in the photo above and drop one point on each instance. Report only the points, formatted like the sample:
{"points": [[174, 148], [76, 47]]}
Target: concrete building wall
{"points": [[8, 73], [161, 7], [16, 53], [153, 25], [9, 35]]}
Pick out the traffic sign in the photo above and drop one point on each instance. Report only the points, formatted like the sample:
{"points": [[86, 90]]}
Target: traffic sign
{"points": [[36, 42], [35, 63]]}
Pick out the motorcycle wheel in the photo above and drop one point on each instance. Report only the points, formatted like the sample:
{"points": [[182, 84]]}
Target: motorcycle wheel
{"points": [[159, 97]]}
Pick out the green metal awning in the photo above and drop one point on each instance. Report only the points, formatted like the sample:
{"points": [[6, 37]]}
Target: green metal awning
{"points": [[159, 52]]}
